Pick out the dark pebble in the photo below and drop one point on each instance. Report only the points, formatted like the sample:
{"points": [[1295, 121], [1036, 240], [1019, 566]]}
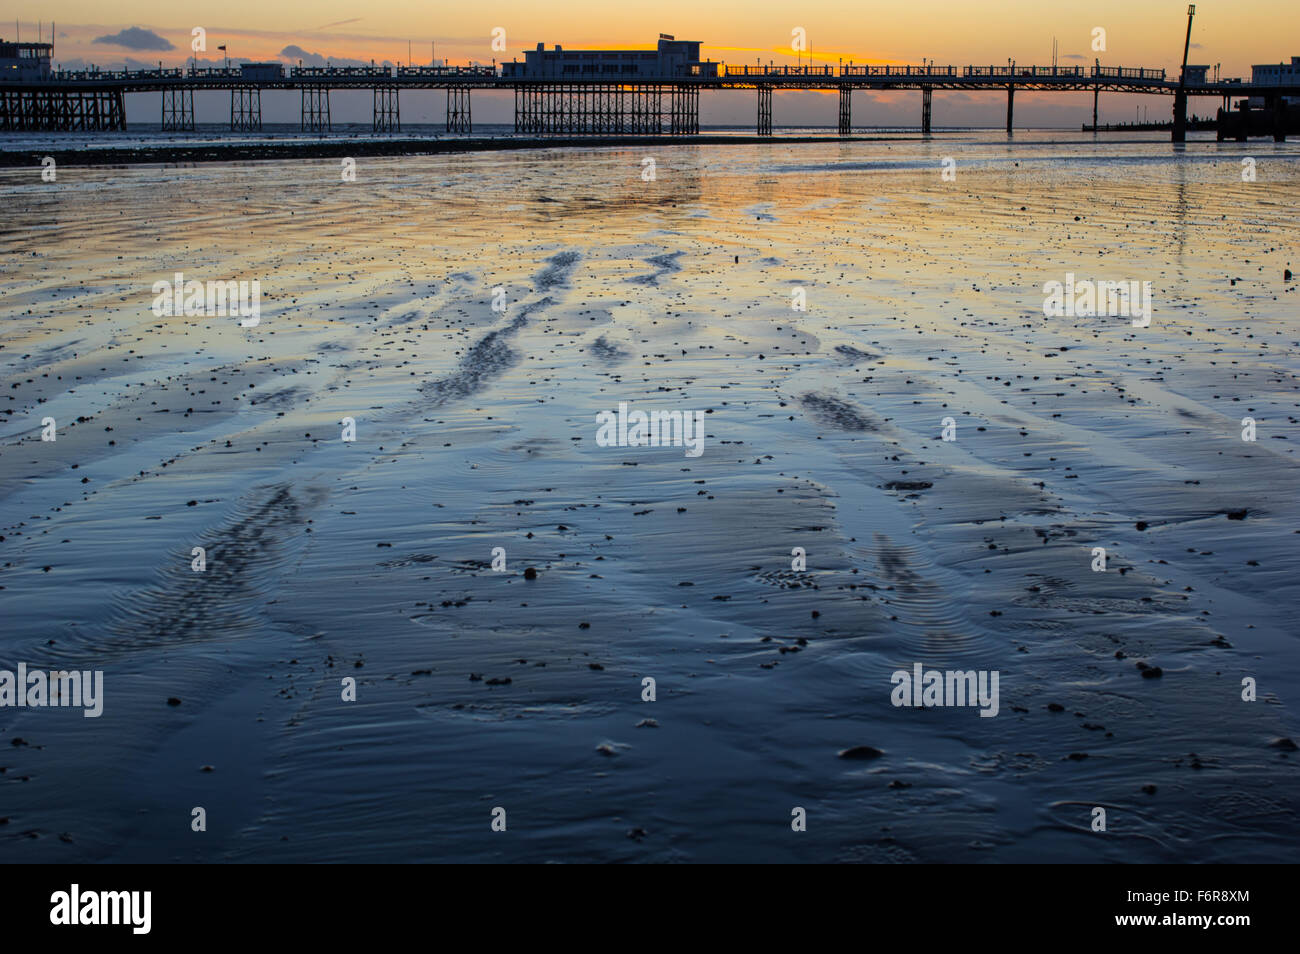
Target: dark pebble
{"points": [[861, 752]]}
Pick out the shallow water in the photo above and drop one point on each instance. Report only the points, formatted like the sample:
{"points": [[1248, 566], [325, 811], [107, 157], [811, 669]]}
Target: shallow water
{"points": [[476, 429]]}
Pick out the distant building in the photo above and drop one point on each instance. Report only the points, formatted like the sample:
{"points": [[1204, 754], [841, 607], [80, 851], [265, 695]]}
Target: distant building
{"points": [[25, 61], [672, 59], [1283, 74], [1279, 74], [261, 72]]}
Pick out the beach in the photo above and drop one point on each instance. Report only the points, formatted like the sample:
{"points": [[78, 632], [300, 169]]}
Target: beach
{"points": [[916, 466]]}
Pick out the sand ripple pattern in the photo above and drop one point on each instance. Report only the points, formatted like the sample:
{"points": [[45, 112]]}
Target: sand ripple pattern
{"points": [[245, 558], [491, 356]]}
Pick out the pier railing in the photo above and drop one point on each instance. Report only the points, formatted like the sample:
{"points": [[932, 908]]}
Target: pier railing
{"points": [[446, 71], [347, 71], [938, 73], [1009, 72], [780, 71], [93, 74], [1118, 72]]}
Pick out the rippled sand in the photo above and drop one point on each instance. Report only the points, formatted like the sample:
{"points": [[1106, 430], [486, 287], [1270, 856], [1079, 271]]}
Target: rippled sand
{"points": [[476, 429]]}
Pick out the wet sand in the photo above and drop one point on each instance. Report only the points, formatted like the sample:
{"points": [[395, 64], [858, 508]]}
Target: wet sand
{"points": [[475, 429], [171, 153]]}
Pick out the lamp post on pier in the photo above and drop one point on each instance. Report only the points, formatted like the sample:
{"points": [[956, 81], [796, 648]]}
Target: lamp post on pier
{"points": [[1180, 97]]}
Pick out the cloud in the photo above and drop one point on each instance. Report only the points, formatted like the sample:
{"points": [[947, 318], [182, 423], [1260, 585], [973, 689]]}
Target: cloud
{"points": [[135, 38], [293, 52], [340, 23], [1073, 56]]}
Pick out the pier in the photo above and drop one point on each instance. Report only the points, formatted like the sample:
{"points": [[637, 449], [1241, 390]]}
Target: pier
{"points": [[659, 96]]}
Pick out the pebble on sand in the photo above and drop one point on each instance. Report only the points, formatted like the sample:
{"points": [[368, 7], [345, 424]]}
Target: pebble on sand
{"points": [[861, 752]]}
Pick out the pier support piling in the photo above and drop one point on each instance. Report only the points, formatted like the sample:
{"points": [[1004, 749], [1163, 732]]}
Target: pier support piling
{"points": [[49, 110], [764, 110], [315, 113], [525, 111], [1179, 133], [572, 109], [647, 110], [1096, 91], [387, 114], [1011, 107], [846, 110], [926, 92], [178, 110], [458, 109], [686, 111], [245, 109]]}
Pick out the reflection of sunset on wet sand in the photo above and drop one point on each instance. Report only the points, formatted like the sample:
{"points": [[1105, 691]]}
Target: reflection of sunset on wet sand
{"points": [[915, 469]]}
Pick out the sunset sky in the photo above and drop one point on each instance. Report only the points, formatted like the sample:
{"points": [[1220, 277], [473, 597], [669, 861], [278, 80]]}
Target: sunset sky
{"points": [[1145, 33]]}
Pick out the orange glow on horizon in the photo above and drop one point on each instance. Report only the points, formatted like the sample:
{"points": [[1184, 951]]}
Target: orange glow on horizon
{"points": [[892, 32]]}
